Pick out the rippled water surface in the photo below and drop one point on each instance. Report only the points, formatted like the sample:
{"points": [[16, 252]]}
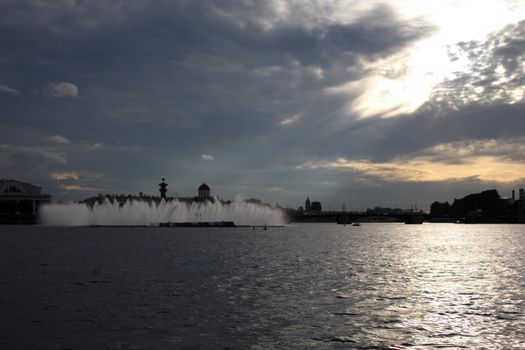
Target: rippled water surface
{"points": [[319, 286]]}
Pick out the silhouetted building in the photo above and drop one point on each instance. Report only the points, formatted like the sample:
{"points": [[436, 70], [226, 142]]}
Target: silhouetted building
{"points": [[163, 189], [520, 206], [439, 209], [307, 206], [316, 206], [204, 192], [483, 207], [20, 202], [121, 199]]}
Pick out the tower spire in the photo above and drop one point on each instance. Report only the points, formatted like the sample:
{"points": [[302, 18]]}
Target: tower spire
{"points": [[307, 206], [163, 189]]}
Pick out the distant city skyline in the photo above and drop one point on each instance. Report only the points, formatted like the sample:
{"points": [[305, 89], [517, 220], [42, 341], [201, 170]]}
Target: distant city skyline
{"points": [[355, 103]]}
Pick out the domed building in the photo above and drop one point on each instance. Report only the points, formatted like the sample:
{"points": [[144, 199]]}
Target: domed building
{"points": [[204, 192]]}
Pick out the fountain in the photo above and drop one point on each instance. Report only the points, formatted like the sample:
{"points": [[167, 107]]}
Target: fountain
{"points": [[140, 213]]}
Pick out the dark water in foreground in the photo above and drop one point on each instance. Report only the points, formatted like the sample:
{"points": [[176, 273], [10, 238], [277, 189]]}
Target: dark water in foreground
{"points": [[308, 286]]}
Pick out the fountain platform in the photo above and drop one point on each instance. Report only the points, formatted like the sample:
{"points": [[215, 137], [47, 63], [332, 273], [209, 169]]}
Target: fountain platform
{"points": [[198, 224]]}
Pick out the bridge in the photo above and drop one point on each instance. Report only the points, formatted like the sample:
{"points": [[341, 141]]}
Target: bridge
{"points": [[348, 218], [351, 217]]}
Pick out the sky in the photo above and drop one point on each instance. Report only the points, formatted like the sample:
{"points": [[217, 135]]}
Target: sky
{"points": [[350, 102]]}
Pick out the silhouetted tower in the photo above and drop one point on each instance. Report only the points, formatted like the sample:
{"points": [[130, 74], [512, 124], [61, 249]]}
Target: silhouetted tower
{"points": [[163, 189], [307, 206]]}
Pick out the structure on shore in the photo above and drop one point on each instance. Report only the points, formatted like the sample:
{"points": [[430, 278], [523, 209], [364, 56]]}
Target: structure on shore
{"points": [[483, 207], [163, 189], [20, 202], [202, 210], [203, 194], [311, 207]]}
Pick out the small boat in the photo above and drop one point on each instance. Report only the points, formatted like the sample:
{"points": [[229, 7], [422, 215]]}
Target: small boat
{"points": [[356, 224], [265, 227]]}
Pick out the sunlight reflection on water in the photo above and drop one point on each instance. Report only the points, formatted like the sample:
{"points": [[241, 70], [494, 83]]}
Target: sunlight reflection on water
{"points": [[455, 285]]}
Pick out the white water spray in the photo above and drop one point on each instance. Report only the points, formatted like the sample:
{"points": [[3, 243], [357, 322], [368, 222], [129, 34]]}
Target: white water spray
{"points": [[145, 213]]}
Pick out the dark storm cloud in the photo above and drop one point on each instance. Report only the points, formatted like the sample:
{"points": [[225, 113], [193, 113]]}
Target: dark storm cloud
{"points": [[91, 39], [183, 61], [176, 79], [199, 25]]}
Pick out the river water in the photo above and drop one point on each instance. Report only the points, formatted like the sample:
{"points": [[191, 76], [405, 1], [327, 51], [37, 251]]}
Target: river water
{"points": [[318, 286]]}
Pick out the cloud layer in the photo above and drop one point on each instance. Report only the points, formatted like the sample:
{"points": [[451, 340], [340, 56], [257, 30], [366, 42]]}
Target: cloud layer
{"points": [[329, 98]]}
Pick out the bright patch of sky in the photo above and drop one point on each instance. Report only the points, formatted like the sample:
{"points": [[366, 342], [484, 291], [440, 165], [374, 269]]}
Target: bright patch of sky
{"points": [[404, 81]]}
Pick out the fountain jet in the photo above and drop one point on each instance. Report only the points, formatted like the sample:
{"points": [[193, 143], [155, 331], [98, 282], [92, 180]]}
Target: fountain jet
{"points": [[139, 213]]}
